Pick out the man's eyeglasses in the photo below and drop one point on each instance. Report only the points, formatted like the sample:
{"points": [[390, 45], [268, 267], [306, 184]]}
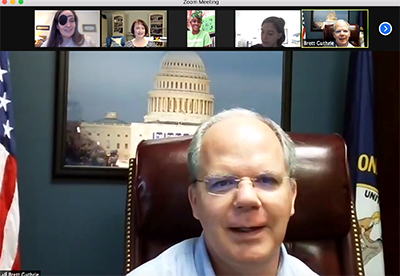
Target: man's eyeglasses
{"points": [[223, 184], [344, 31]]}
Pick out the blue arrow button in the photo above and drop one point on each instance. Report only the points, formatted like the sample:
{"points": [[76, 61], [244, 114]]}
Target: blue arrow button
{"points": [[385, 28]]}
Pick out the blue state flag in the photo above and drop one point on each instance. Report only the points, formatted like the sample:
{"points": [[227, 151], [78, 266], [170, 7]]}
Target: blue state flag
{"points": [[359, 136], [361, 25]]}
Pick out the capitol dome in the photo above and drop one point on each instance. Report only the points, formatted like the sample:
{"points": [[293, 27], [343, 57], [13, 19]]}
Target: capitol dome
{"points": [[183, 57], [190, 60], [184, 65], [181, 91]]}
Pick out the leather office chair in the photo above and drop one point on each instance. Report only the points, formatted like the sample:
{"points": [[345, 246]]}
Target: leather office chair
{"points": [[323, 233], [354, 34]]}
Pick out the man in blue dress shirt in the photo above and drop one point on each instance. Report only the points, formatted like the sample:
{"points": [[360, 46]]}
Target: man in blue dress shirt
{"points": [[341, 33], [243, 195]]}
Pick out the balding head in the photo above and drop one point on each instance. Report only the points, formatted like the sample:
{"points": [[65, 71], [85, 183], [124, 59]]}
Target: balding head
{"points": [[341, 22], [242, 127], [242, 145]]}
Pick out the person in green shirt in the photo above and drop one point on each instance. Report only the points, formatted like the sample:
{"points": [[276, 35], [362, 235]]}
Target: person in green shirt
{"points": [[197, 37]]}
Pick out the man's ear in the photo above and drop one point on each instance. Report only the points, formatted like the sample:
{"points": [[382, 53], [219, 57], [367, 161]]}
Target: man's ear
{"points": [[194, 200], [293, 186]]}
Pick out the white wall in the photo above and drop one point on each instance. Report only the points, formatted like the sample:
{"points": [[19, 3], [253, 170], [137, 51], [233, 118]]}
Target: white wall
{"points": [[84, 17], [248, 25], [131, 16]]}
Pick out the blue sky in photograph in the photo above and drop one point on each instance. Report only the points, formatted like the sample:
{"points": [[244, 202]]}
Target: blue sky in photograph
{"points": [[100, 82], [321, 15]]}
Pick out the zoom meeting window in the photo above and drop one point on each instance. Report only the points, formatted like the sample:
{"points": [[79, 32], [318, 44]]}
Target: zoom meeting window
{"points": [[107, 75]]}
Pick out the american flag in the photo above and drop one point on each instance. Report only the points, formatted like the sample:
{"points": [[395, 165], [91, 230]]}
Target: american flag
{"points": [[9, 201], [304, 28]]}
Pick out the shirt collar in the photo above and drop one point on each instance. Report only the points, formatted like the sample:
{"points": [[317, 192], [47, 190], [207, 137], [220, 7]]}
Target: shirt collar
{"points": [[203, 263], [201, 258], [346, 45]]}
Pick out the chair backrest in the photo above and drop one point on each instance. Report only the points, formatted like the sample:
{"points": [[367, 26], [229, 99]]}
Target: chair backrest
{"points": [[108, 40], [354, 34], [323, 232]]}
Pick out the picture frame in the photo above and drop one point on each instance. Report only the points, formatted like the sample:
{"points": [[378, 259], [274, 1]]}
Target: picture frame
{"points": [[65, 130], [42, 28], [89, 28], [321, 17]]}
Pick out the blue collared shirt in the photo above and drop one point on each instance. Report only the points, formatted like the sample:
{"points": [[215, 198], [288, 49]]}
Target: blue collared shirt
{"points": [[190, 258], [348, 45]]}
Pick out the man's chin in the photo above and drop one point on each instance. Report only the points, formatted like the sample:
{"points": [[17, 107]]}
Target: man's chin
{"points": [[252, 256], [253, 252]]}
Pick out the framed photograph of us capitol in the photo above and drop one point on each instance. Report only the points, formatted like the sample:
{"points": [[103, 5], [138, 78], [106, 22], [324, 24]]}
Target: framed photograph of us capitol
{"points": [[108, 102]]}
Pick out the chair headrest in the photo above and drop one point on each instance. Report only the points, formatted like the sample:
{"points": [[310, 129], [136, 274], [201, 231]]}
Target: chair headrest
{"points": [[323, 196]]}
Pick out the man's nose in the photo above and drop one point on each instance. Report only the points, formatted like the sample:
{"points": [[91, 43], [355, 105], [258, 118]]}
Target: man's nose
{"points": [[246, 196]]}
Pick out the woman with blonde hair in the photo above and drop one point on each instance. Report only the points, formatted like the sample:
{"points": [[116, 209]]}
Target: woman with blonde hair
{"points": [[64, 32]]}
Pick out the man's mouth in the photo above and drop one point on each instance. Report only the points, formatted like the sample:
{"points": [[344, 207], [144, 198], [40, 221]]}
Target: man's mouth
{"points": [[246, 229]]}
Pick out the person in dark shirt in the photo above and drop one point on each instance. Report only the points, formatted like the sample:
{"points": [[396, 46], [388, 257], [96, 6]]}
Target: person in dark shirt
{"points": [[272, 32]]}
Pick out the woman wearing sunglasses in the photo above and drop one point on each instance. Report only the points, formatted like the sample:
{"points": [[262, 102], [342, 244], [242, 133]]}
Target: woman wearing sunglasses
{"points": [[64, 32]]}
